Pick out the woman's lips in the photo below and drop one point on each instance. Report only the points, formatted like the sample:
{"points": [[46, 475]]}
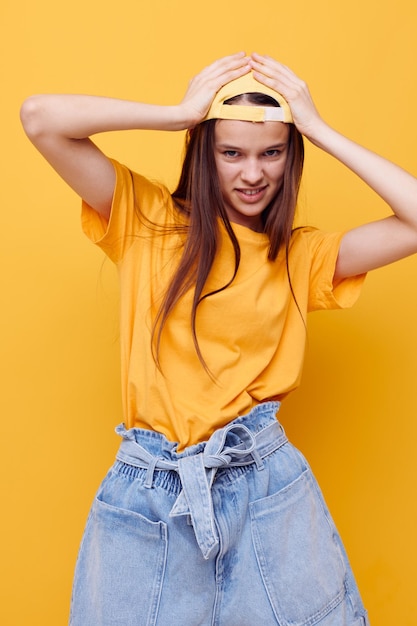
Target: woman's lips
{"points": [[251, 195]]}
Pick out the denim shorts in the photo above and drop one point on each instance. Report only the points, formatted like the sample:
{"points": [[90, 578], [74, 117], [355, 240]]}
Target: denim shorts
{"points": [[230, 532]]}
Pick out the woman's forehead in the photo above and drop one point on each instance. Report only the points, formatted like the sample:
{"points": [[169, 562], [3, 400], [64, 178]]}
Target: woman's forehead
{"points": [[247, 133]]}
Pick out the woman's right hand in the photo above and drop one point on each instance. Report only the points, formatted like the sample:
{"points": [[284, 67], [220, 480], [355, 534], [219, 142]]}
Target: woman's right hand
{"points": [[204, 86]]}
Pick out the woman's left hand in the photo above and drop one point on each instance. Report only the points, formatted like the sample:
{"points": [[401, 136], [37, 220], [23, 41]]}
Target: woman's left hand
{"points": [[295, 91], [373, 244]]}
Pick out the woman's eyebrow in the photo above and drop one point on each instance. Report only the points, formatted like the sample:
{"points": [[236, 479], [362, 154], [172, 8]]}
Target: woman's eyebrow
{"points": [[231, 146]]}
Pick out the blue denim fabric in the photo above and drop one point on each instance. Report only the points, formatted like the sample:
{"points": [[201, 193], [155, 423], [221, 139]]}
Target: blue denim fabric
{"points": [[231, 532]]}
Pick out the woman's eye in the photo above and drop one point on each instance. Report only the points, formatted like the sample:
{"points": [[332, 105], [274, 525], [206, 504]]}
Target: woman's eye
{"points": [[272, 153], [231, 153]]}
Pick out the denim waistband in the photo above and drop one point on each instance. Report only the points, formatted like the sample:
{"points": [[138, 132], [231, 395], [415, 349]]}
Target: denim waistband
{"points": [[246, 440]]}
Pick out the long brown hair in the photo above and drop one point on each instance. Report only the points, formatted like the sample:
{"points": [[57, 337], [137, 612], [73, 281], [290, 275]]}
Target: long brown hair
{"points": [[198, 197]]}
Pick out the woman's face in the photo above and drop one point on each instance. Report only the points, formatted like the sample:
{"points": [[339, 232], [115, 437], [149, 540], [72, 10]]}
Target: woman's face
{"points": [[250, 159]]}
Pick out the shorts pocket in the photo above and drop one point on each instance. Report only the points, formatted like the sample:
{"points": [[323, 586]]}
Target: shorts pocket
{"points": [[298, 553], [120, 569]]}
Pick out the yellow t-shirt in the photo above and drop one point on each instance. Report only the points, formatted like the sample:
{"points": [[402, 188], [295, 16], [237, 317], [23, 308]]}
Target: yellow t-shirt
{"points": [[251, 335]]}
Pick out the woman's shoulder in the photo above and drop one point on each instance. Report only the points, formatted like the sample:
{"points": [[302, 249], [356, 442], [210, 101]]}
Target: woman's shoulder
{"points": [[312, 236], [145, 197], [139, 183], [311, 243]]}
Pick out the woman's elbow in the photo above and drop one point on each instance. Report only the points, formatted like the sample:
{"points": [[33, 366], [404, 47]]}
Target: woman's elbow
{"points": [[32, 116]]}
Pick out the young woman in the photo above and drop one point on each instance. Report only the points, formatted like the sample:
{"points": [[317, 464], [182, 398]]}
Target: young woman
{"points": [[209, 515]]}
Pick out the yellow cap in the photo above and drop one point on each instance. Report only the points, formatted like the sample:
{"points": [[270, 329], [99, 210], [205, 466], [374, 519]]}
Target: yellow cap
{"points": [[248, 113]]}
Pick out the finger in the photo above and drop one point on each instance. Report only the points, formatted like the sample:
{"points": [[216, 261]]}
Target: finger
{"points": [[232, 61], [278, 82], [267, 61], [222, 71], [272, 68], [226, 66], [277, 76]]}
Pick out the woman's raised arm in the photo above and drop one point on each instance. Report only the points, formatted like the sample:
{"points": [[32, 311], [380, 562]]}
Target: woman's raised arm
{"points": [[60, 127], [371, 245]]}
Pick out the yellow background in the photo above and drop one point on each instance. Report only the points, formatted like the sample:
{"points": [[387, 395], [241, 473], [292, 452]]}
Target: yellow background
{"points": [[355, 415]]}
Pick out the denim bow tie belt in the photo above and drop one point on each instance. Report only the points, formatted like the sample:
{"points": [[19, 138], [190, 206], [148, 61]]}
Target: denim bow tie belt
{"points": [[197, 471]]}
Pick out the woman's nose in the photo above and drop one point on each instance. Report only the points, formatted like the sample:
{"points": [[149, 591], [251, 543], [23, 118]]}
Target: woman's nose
{"points": [[252, 172]]}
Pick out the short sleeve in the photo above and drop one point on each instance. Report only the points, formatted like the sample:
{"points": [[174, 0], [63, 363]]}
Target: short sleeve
{"points": [[321, 249], [137, 203]]}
